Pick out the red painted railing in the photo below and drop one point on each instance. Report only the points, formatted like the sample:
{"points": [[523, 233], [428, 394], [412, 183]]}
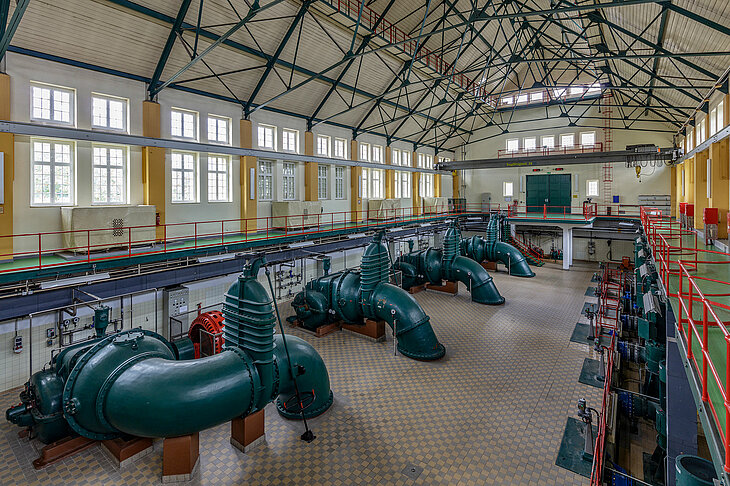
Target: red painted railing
{"points": [[679, 263], [599, 449], [575, 149], [544, 211]]}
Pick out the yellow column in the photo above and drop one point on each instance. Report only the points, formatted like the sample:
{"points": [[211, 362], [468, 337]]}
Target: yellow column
{"points": [[389, 175], [7, 147], [689, 177], [437, 184], [355, 196], [311, 188], [700, 187], [719, 180], [249, 209], [673, 191], [153, 165], [455, 182], [415, 182]]}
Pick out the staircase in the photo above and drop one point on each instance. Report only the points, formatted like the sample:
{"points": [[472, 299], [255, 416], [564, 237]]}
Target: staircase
{"points": [[531, 257]]}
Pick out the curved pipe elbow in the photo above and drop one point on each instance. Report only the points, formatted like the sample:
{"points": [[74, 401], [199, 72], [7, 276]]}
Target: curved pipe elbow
{"points": [[513, 259], [480, 283], [411, 325]]}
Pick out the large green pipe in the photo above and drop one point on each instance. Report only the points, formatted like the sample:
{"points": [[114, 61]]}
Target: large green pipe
{"points": [[131, 383], [492, 249], [351, 296]]}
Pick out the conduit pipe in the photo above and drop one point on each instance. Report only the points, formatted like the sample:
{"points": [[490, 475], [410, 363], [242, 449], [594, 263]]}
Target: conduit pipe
{"points": [[492, 249]]}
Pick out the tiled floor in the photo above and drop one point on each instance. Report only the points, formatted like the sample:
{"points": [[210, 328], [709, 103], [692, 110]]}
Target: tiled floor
{"points": [[491, 412]]}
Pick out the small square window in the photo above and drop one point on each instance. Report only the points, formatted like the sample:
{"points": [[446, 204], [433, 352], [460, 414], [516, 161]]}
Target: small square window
{"points": [[508, 189], [507, 100], [548, 141], [290, 140], [323, 145], [567, 140], [536, 97], [109, 113], [588, 139], [340, 148], [52, 104], [522, 99], [219, 129], [513, 145], [592, 188], [530, 144], [267, 137]]}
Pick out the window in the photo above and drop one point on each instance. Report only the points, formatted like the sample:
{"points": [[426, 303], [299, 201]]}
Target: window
{"points": [[395, 157], [378, 154], [323, 145], [339, 181], [508, 189], [522, 98], [405, 160], [701, 131], [290, 142], [365, 152], [267, 137], [364, 184], [559, 93], [405, 181], [588, 139], [592, 188], [219, 178], [377, 182], [109, 176], [593, 88], [567, 140], [266, 179], [507, 100], [109, 112], [720, 115], [513, 145], [289, 182], [548, 142], [425, 161], [184, 124], [425, 181], [184, 177], [53, 104], [341, 148], [322, 180], [53, 172], [576, 90], [219, 129], [536, 96], [690, 139], [530, 143]]}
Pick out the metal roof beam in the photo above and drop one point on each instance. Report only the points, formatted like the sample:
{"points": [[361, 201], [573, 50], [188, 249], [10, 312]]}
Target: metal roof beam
{"points": [[699, 18], [165, 55], [9, 31], [275, 57]]}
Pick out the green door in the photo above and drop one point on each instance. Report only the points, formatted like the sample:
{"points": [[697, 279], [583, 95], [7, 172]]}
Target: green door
{"points": [[552, 190]]}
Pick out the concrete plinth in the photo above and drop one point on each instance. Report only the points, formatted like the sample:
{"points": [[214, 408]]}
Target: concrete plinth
{"points": [[248, 432], [180, 458]]}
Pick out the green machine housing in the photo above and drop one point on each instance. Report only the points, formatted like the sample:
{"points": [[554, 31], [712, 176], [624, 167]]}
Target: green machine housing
{"points": [[494, 249], [136, 383]]}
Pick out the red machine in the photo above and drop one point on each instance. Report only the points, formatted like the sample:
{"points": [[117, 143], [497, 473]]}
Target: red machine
{"points": [[206, 333], [683, 214], [689, 216], [711, 218]]}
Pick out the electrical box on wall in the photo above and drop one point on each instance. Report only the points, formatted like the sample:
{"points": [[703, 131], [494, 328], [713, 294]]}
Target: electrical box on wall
{"points": [[175, 317]]}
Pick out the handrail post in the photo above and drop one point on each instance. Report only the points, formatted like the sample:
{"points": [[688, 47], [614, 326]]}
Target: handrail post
{"points": [[726, 437], [88, 245], [705, 352], [129, 231], [690, 323], [195, 230]]}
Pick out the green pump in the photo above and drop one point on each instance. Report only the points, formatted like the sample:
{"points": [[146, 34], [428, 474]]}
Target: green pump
{"points": [[352, 295], [131, 382], [434, 265], [493, 248]]}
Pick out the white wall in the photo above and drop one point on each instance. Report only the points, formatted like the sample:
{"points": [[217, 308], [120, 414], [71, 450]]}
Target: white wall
{"points": [[27, 219]]}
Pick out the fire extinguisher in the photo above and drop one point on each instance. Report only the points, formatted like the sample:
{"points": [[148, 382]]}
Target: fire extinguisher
{"points": [[157, 219]]}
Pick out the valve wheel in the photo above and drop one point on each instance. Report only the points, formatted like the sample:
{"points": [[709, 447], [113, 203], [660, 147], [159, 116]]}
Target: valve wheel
{"points": [[291, 405]]}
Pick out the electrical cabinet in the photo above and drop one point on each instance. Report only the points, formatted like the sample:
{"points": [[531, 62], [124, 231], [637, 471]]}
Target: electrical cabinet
{"points": [[175, 307]]}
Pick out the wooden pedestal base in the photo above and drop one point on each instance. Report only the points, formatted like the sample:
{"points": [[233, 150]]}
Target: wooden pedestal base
{"points": [[449, 287], [489, 266], [248, 432], [180, 457], [321, 330], [61, 449], [374, 330], [417, 288], [124, 452]]}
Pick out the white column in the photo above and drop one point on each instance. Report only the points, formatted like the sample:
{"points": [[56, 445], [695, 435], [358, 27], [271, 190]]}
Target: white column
{"points": [[567, 248]]}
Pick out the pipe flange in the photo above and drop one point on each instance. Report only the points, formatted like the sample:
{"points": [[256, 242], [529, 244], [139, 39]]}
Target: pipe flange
{"points": [[437, 354], [252, 374], [281, 408]]}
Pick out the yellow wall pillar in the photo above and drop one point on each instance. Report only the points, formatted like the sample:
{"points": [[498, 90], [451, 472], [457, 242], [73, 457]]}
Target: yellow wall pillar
{"points": [[249, 205], [355, 180], [311, 187], [689, 177], [7, 147], [455, 182], [153, 165], [719, 179], [700, 187], [389, 175], [415, 183], [673, 191], [437, 185]]}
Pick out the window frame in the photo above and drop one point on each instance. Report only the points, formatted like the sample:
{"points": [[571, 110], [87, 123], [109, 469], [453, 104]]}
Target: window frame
{"points": [[227, 172], [108, 168], [108, 99], [265, 127], [328, 140], [261, 179], [196, 124], [322, 185], [528, 149], [360, 147], [339, 182], [593, 133], [547, 137], [195, 179], [597, 192], [507, 145], [537, 97], [344, 148], [377, 149], [53, 88], [291, 179], [219, 118], [52, 172], [505, 185], [295, 134], [572, 138]]}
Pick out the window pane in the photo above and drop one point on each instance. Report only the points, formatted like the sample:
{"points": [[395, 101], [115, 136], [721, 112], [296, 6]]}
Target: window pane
{"points": [[99, 112], [116, 114]]}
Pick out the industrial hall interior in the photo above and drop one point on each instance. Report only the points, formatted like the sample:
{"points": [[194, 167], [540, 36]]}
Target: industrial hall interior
{"points": [[365, 242]]}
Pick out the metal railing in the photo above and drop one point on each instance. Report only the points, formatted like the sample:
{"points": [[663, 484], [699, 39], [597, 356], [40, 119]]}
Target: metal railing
{"points": [[573, 149], [599, 450]]}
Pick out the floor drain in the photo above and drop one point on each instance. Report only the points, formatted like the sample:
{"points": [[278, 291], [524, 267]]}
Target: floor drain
{"points": [[412, 471]]}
